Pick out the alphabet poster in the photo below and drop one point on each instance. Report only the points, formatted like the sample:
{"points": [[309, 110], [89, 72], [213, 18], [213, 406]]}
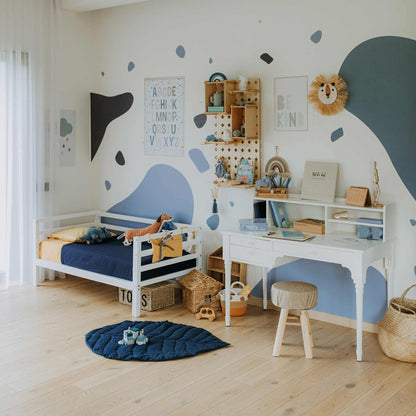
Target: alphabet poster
{"points": [[164, 116], [291, 103]]}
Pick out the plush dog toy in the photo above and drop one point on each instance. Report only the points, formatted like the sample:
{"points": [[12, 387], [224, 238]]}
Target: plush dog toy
{"points": [[138, 232]]}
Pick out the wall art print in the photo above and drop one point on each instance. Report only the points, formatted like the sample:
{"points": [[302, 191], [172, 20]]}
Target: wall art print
{"points": [[291, 103], [67, 138], [164, 116]]}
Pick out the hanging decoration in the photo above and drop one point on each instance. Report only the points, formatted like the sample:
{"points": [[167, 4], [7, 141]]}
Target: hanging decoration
{"points": [[328, 95]]}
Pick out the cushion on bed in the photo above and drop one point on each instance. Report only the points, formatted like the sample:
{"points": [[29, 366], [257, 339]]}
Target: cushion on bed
{"points": [[71, 235]]}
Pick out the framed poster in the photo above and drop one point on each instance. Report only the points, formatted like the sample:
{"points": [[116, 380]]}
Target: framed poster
{"points": [[164, 116], [291, 103], [319, 181]]}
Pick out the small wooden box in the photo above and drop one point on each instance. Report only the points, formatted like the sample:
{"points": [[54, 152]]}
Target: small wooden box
{"points": [[359, 197], [278, 193], [153, 297], [310, 225]]}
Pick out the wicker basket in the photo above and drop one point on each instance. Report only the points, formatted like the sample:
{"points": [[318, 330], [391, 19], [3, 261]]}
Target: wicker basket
{"points": [[397, 329], [200, 290]]}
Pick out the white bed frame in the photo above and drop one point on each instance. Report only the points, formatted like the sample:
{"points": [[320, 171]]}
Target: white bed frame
{"points": [[44, 227]]}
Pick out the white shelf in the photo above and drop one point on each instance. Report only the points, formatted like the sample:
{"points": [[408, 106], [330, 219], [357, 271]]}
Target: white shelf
{"points": [[355, 222]]}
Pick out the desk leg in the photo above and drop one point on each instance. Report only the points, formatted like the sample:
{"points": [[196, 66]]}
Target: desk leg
{"points": [[227, 266], [359, 291], [265, 272]]}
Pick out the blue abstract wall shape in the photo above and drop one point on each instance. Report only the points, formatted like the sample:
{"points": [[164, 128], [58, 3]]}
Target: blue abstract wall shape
{"points": [[213, 221], [210, 60], [317, 36], [336, 290], [337, 134], [107, 185], [380, 74], [232, 203], [163, 190], [103, 111], [200, 120], [180, 51], [412, 222], [200, 161], [120, 158], [130, 66], [266, 58]]}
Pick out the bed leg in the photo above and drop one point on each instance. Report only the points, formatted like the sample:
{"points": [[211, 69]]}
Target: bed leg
{"points": [[135, 303]]}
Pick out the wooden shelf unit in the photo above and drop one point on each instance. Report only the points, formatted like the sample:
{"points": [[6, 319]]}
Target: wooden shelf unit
{"points": [[215, 268], [325, 211], [232, 118]]}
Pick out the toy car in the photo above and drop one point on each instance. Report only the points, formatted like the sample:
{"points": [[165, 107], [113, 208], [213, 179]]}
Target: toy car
{"points": [[207, 313]]}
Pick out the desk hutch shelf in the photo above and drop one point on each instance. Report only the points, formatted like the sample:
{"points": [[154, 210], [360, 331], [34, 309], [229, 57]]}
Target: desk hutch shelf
{"points": [[297, 208]]}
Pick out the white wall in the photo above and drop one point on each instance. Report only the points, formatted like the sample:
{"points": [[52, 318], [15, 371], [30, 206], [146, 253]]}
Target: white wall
{"points": [[234, 34]]}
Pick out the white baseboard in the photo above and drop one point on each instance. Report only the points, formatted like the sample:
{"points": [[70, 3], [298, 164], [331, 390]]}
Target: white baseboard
{"points": [[322, 316]]}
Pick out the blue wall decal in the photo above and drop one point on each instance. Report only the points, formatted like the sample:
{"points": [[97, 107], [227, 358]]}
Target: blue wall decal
{"points": [[199, 160], [103, 111], [65, 127], [337, 134], [210, 60], [266, 58], [232, 203], [317, 36], [412, 222], [380, 74], [180, 51], [102, 74], [130, 66], [213, 221], [200, 120], [120, 158], [336, 290], [163, 190], [107, 185]]}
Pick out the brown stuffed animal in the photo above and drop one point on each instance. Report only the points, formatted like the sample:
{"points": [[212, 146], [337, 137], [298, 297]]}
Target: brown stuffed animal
{"points": [[151, 229]]}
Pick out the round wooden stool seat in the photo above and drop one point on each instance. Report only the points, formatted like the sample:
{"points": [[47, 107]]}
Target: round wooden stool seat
{"points": [[294, 295]]}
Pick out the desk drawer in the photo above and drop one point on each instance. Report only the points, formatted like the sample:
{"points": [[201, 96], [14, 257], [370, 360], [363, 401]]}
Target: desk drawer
{"points": [[249, 242], [249, 255]]}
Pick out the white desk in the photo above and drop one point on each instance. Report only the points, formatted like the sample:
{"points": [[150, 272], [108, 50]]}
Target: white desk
{"points": [[252, 248]]}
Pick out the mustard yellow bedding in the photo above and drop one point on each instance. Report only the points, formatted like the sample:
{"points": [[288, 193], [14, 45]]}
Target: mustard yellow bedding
{"points": [[50, 249]]}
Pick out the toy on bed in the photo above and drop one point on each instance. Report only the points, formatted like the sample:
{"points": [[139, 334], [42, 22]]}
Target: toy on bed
{"points": [[138, 232], [96, 235]]}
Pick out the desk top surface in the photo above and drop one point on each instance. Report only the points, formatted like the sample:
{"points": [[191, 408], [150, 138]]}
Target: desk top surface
{"points": [[346, 241]]}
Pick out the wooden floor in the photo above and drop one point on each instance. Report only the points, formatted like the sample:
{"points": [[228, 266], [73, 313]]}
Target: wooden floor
{"points": [[46, 368]]}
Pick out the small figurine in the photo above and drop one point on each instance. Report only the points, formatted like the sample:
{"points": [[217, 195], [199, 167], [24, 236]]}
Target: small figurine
{"points": [[242, 86], [129, 336], [142, 339], [220, 170], [377, 191], [227, 136], [211, 138], [236, 133], [207, 313]]}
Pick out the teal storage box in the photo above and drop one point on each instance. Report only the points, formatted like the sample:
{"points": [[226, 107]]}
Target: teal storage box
{"points": [[253, 224]]}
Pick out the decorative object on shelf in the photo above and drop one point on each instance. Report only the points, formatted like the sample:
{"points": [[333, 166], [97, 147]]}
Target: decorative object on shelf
{"points": [[277, 193], [220, 170], [242, 85], [319, 181], [207, 313], [217, 99], [310, 225], [376, 204], [245, 171], [276, 164], [340, 215], [164, 116], [279, 214], [217, 76], [291, 103], [236, 133], [211, 138], [328, 95], [370, 233], [142, 339], [243, 127], [397, 329], [214, 194], [358, 196], [212, 109], [267, 181], [227, 136], [129, 336]]}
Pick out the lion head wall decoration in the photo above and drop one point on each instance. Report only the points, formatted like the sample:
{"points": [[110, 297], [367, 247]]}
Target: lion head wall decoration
{"points": [[328, 95]]}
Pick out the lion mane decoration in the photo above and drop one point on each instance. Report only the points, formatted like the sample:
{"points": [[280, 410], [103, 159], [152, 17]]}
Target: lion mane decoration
{"points": [[328, 95]]}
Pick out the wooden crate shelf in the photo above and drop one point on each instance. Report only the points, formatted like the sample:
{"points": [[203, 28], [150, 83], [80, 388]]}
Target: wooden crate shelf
{"points": [[215, 268]]}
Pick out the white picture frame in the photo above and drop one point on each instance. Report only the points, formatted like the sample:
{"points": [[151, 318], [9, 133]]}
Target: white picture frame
{"points": [[320, 181], [291, 103], [164, 116]]}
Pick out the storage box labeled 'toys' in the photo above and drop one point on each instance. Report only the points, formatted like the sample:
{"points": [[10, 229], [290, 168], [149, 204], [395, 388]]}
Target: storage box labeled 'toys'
{"points": [[238, 304]]}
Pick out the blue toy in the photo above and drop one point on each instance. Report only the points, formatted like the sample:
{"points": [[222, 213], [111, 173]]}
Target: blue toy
{"points": [[142, 339], [267, 181], [96, 235], [211, 138], [129, 336]]}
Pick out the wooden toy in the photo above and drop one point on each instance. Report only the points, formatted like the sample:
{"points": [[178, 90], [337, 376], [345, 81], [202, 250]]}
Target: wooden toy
{"points": [[207, 313], [142, 339], [377, 192]]}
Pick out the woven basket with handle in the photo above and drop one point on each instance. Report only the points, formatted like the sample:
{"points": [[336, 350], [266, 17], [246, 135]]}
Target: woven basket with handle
{"points": [[397, 329]]}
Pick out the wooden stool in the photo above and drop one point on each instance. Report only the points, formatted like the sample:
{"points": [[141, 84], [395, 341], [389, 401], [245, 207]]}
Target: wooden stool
{"points": [[294, 295]]}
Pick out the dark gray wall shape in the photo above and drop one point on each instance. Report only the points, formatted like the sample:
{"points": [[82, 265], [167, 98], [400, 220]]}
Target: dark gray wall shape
{"points": [[380, 74], [103, 111]]}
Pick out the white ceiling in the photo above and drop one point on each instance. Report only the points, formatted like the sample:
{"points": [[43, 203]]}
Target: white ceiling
{"points": [[87, 5]]}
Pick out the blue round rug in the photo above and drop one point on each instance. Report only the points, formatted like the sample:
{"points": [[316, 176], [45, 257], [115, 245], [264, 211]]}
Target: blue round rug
{"points": [[167, 341]]}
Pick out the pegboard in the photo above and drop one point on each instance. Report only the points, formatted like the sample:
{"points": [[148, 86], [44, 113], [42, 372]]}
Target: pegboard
{"points": [[249, 147]]}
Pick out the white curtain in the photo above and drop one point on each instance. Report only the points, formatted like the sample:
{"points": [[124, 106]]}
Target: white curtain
{"points": [[29, 110]]}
